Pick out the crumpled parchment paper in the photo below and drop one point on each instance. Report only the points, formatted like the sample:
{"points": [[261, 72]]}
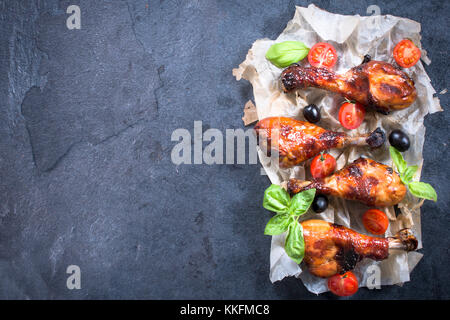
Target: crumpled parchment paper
{"points": [[353, 37]]}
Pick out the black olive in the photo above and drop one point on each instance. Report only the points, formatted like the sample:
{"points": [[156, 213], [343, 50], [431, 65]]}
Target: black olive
{"points": [[366, 59], [399, 140], [311, 113], [320, 203]]}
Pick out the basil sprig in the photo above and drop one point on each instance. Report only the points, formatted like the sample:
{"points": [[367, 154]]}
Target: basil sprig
{"points": [[417, 188], [288, 211], [285, 53]]}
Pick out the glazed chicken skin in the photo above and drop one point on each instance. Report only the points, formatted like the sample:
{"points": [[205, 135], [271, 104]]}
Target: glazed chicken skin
{"points": [[332, 249], [364, 180], [296, 141], [374, 84]]}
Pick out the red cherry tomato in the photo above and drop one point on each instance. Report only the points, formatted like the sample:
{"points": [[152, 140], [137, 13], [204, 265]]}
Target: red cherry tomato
{"points": [[351, 115], [375, 221], [343, 285], [406, 54], [323, 165], [322, 55]]}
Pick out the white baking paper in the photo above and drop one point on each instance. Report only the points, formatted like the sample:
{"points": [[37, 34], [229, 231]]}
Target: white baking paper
{"points": [[353, 37]]}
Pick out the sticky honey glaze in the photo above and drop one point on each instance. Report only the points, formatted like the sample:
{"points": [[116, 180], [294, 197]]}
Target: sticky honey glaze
{"points": [[375, 84], [364, 180]]}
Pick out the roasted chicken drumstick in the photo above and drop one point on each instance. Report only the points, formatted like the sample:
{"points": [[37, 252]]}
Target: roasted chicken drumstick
{"points": [[364, 180], [297, 141], [374, 83], [332, 249]]}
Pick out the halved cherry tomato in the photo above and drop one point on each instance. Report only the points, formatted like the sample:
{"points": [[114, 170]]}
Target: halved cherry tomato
{"points": [[406, 54], [322, 55], [375, 221], [323, 165], [343, 285], [351, 115]]}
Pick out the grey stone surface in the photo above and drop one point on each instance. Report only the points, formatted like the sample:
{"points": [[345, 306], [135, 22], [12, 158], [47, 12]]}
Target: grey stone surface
{"points": [[85, 141]]}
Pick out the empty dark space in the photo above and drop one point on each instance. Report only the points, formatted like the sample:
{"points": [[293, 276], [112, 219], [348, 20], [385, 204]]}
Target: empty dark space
{"points": [[86, 120]]}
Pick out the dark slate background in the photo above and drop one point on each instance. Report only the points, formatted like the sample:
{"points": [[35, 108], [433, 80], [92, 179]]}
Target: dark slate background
{"points": [[85, 140]]}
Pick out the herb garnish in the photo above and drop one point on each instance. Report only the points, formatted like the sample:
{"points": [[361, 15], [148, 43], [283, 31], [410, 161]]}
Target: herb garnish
{"points": [[417, 188], [288, 211], [285, 53]]}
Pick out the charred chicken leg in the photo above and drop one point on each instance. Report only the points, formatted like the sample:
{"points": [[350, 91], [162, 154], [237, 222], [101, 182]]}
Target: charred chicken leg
{"points": [[297, 141], [331, 248], [374, 83], [364, 180]]}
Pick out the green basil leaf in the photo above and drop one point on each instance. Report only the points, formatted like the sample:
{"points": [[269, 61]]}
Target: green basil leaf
{"points": [[276, 199], [409, 174], [295, 244], [301, 202], [286, 53], [398, 160], [278, 224], [422, 190]]}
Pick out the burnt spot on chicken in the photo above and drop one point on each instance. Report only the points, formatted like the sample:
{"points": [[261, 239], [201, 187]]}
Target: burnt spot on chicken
{"points": [[376, 139], [330, 138], [354, 171], [389, 89], [296, 76], [290, 80], [347, 258], [366, 185], [360, 194], [295, 186], [361, 185], [359, 83]]}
